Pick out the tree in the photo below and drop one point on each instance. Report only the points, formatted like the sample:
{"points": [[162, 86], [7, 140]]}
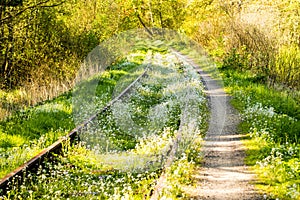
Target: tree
{"points": [[163, 14], [19, 32]]}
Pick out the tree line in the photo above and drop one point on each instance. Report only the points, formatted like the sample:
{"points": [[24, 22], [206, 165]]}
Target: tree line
{"points": [[42, 42]]}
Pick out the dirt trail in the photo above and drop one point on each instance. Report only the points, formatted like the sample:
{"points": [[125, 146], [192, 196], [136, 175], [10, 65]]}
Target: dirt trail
{"points": [[223, 174]]}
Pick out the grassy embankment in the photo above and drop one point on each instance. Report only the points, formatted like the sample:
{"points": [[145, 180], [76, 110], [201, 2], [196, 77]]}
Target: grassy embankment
{"points": [[270, 119], [271, 122], [30, 130], [102, 172]]}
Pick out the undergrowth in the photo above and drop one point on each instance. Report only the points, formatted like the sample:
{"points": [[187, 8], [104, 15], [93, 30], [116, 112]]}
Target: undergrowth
{"points": [[28, 131], [122, 154], [271, 120]]}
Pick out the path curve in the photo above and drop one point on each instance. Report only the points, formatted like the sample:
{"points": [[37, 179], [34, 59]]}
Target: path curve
{"points": [[223, 175]]}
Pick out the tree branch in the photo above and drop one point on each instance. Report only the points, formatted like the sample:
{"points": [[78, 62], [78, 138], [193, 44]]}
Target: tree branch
{"points": [[40, 4], [141, 21]]}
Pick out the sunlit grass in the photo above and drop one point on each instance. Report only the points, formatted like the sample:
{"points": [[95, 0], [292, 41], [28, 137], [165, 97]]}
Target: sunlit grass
{"points": [[271, 120], [123, 152], [28, 131], [278, 177]]}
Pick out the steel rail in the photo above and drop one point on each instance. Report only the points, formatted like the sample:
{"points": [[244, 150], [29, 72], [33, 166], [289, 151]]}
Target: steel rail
{"points": [[33, 164], [161, 182]]}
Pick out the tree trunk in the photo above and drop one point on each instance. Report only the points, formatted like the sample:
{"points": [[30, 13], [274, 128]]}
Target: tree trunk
{"points": [[8, 55]]}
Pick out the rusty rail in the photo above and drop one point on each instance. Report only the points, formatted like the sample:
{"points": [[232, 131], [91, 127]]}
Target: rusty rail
{"points": [[33, 164]]}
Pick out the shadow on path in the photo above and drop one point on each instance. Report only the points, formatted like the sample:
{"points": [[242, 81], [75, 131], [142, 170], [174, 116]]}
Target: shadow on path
{"points": [[223, 174]]}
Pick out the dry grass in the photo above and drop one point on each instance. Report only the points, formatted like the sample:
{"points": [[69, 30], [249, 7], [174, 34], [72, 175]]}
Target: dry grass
{"points": [[256, 33], [30, 95]]}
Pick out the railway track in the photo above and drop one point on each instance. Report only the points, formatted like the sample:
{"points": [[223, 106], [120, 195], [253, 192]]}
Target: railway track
{"points": [[73, 136], [160, 185], [32, 165]]}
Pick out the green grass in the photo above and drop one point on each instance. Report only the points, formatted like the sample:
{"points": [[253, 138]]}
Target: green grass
{"points": [[28, 131], [271, 122], [282, 101], [125, 156]]}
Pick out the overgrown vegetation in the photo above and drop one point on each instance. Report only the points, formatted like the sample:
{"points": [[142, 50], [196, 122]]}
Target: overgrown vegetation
{"points": [[260, 36], [42, 44], [28, 131], [257, 46], [124, 151], [271, 120]]}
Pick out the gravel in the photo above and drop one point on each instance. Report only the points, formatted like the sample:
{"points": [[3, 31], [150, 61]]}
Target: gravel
{"points": [[223, 174]]}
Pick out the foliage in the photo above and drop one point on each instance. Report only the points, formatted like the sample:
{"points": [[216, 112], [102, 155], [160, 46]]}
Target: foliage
{"points": [[42, 44], [32, 44], [287, 65], [163, 14], [251, 35], [271, 118], [123, 152], [177, 176], [118, 161]]}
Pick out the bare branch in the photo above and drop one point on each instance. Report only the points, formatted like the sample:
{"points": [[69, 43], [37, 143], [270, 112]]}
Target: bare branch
{"points": [[40, 5], [141, 21]]}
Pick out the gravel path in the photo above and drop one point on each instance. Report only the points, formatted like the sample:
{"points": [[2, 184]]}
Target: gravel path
{"points": [[223, 174]]}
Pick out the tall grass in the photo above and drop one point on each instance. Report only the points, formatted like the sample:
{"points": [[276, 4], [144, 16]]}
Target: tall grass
{"points": [[28, 130], [271, 119], [122, 153], [287, 66], [256, 35], [31, 94]]}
